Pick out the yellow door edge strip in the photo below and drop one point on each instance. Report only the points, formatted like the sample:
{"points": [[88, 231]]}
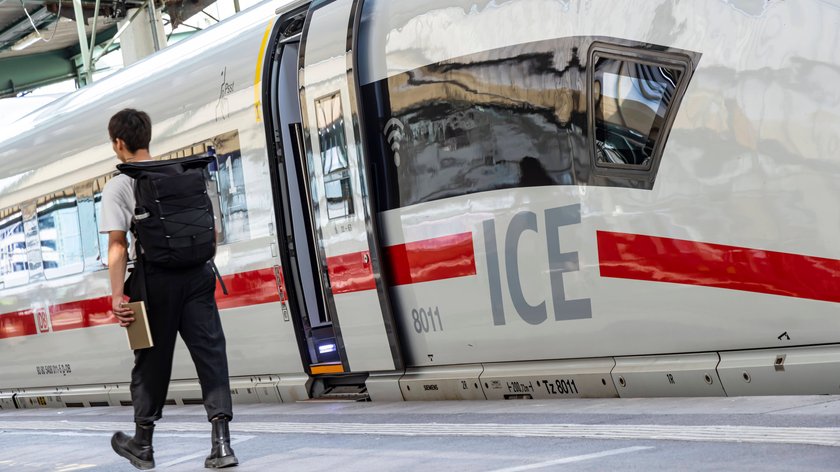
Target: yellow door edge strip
{"points": [[258, 74]]}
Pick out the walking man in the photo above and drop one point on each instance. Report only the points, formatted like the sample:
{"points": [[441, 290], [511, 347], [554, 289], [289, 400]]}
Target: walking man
{"points": [[178, 301]]}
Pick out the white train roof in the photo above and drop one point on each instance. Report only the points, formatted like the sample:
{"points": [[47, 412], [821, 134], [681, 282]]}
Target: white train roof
{"points": [[67, 141]]}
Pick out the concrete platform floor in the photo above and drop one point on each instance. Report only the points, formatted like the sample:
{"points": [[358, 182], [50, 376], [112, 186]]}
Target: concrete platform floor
{"points": [[685, 434]]}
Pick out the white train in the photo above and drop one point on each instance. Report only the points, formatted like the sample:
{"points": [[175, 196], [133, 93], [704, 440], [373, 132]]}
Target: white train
{"points": [[461, 199]]}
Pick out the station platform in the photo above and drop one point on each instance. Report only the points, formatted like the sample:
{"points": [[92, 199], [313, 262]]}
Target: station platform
{"points": [[686, 434]]}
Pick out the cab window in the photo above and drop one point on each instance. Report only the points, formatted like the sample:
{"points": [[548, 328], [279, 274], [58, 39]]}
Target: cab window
{"points": [[630, 101]]}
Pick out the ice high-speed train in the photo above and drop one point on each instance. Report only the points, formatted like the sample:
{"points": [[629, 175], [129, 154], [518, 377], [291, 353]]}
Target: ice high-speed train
{"points": [[461, 199]]}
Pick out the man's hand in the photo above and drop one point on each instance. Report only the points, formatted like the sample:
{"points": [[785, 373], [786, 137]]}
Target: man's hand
{"points": [[122, 312], [117, 260]]}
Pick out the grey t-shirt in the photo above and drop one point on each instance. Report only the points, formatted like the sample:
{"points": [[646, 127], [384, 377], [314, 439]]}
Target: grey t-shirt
{"points": [[118, 207]]}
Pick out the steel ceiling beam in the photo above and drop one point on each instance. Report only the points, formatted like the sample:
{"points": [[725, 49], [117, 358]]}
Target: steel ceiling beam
{"points": [[25, 72], [22, 73], [117, 33], [41, 17], [101, 37], [83, 41]]}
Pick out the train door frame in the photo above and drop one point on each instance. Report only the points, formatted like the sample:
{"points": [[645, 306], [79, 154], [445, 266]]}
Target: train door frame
{"points": [[285, 32], [375, 348], [374, 233], [349, 247]]}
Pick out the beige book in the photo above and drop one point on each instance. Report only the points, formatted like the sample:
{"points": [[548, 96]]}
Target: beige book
{"points": [[139, 334]]}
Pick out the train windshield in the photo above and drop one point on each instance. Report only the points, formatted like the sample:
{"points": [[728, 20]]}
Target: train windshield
{"points": [[631, 101]]}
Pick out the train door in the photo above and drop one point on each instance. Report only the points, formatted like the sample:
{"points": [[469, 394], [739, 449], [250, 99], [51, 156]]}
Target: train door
{"points": [[327, 231]]}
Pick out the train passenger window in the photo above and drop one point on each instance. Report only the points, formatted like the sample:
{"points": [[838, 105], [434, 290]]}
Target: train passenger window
{"points": [[630, 102], [227, 173], [334, 160], [98, 187], [89, 230], [103, 238], [60, 234], [14, 265]]}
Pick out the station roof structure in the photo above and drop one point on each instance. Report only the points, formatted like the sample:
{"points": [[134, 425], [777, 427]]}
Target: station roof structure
{"points": [[40, 40]]}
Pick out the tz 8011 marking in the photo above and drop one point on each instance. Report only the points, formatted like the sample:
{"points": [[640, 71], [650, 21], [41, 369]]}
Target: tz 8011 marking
{"points": [[558, 263], [559, 386]]}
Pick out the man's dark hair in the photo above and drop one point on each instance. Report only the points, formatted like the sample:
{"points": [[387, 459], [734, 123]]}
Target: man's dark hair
{"points": [[134, 127]]}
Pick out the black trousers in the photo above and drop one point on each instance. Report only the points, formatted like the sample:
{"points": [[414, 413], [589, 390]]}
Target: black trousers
{"points": [[181, 301]]}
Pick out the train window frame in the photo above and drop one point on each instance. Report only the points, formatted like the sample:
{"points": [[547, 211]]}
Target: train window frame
{"points": [[339, 177], [647, 56], [72, 267], [90, 237], [7, 215], [98, 187]]}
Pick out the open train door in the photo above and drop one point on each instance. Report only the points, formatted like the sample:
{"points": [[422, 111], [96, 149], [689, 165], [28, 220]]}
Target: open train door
{"points": [[328, 236]]}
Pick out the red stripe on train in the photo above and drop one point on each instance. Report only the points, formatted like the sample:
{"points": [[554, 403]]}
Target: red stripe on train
{"points": [[244, 289], [655, 259], [428, 260], [441, 258], [250, 288], [18, 323], [81, 314], [350, 273]]}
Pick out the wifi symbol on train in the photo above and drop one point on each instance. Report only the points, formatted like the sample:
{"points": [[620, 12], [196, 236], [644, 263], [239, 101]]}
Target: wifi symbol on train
{"points": [[394, 134]]}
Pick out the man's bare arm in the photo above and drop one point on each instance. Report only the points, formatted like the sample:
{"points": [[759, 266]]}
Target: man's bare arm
{"points": [[117, 262]]}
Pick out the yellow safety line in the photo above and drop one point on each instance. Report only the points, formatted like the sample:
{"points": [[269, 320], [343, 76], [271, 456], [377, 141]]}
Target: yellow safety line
{"points": [[258, 75]]}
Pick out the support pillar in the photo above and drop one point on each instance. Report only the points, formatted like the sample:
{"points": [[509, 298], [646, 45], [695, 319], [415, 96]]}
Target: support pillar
{"points": [[84, 77], [143, 36]]}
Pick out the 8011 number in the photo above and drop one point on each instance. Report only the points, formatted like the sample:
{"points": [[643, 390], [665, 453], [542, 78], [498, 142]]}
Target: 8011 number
{"points": [[427, 320]]}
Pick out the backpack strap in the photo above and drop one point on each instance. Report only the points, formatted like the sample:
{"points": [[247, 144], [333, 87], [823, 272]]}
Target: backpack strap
{"points": [[139, 271], [138, 251], [218, 276]]}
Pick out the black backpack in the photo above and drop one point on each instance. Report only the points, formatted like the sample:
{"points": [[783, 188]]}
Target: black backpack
{"points": [[173, 220]]}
